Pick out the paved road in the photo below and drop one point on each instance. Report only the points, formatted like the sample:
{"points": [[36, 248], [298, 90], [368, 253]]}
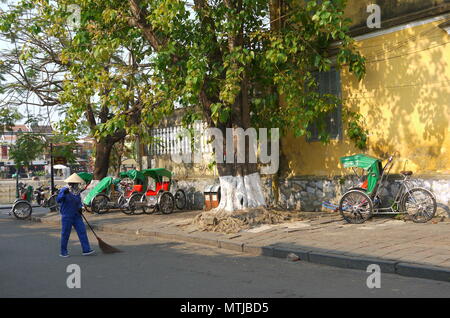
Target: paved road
{"points": [[30, 267]]}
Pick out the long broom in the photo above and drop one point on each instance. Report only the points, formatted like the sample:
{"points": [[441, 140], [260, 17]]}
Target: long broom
{"points": [[106, 248]]}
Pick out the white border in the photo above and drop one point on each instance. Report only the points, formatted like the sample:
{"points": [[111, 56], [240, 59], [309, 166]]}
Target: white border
{"points": [[396, 28], [401, 27]]}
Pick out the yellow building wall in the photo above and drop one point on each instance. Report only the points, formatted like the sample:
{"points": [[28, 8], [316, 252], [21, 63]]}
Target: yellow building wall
{"points": [[405, 101]]}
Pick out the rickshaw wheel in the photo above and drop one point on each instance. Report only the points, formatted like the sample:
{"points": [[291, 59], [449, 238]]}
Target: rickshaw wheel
{"points": [[87, 208], [180, 199], [356, 207], [376, 200], [99, 203], [121, 203], [422, 202], [166, 202], [135, 198], [148, 209], [22, 209]]}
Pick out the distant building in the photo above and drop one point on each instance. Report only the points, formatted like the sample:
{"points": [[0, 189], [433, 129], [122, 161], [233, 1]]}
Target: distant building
{"points": [[84, 155], [9, 138]]}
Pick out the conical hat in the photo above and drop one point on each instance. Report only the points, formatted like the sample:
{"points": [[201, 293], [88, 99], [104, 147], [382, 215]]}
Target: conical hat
{"points": [[74, 178]]}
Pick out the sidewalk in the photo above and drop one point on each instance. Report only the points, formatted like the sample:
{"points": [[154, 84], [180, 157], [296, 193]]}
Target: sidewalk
{"points": [[405, 248]]}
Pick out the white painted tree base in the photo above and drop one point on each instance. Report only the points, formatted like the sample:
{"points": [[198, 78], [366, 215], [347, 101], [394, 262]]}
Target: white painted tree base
{"points": [[240, 192]]}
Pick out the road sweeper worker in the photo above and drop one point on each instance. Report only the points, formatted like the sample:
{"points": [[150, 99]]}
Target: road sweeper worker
{"points": [[70, 208]]}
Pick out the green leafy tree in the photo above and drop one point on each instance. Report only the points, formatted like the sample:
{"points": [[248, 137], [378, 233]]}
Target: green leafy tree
{"points": [[236, 63], [246, 63], [93, 74], [27, 148], [64, 146], [8, 117]]}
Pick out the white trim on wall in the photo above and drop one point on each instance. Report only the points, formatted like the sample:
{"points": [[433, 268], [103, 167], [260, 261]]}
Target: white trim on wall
{"points": [[397, 28], [401, 27]]}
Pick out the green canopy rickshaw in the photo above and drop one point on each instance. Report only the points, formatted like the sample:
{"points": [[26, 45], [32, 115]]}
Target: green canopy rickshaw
{"points": [[358, 204], [166, 194], [135, 175], [103, 196]]}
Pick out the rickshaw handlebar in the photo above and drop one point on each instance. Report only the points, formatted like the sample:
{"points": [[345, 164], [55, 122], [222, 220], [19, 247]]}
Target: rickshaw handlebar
{"points": [[389, 161]]}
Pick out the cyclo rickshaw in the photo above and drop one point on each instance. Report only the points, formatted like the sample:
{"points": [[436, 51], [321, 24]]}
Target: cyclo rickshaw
{"points": [[114, 193], [132, 184], [359, 203], [22, 208], [166, 195]]}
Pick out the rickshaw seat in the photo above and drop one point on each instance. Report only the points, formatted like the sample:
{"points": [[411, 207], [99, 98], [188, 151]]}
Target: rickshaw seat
{"points": [[165, 185], [138, 187], [151, 193], [159, 186], [406, 173]]}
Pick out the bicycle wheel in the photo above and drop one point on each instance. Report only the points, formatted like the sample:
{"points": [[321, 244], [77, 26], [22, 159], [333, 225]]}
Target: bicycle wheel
{"points": [[180, 199], [133, 206], [420, 205], [99, 203], [356, 207], [52, 204], [22, 209], [166, 202]]}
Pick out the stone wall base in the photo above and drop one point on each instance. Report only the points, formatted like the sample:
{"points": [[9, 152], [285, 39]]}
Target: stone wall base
{"points": [[308, 193]]}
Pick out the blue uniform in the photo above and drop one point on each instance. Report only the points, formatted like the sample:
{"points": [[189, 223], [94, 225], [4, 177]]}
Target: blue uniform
{"points": [[70, 204]]}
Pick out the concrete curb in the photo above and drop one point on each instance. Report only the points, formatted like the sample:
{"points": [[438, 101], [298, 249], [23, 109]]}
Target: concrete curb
{"points": [[347, 261], [308, 255], [423, 271]]}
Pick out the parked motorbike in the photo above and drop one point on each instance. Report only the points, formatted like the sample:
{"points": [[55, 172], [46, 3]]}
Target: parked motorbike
{"points": [[45, 199]]}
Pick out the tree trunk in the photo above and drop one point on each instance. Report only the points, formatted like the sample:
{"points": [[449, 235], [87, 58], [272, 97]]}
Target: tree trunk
{"points": [[240, 183], [120, 156], [103, 149], [240, 192]]}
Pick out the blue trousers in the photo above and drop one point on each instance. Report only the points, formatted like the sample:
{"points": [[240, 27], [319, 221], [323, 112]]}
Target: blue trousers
{"points": [[77, 222]]}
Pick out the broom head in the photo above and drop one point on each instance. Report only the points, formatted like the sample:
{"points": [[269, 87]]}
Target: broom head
{"points": [[106, 248]]}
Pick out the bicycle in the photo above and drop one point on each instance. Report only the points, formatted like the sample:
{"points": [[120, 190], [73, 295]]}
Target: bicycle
{"points": [[358, 204]]}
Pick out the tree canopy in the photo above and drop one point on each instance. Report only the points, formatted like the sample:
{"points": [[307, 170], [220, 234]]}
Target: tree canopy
{"points": [[27, 148], [126, 64]]}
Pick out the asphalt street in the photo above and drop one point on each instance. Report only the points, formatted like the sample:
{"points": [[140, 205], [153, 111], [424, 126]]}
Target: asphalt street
{"points": [[148, 267]]}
